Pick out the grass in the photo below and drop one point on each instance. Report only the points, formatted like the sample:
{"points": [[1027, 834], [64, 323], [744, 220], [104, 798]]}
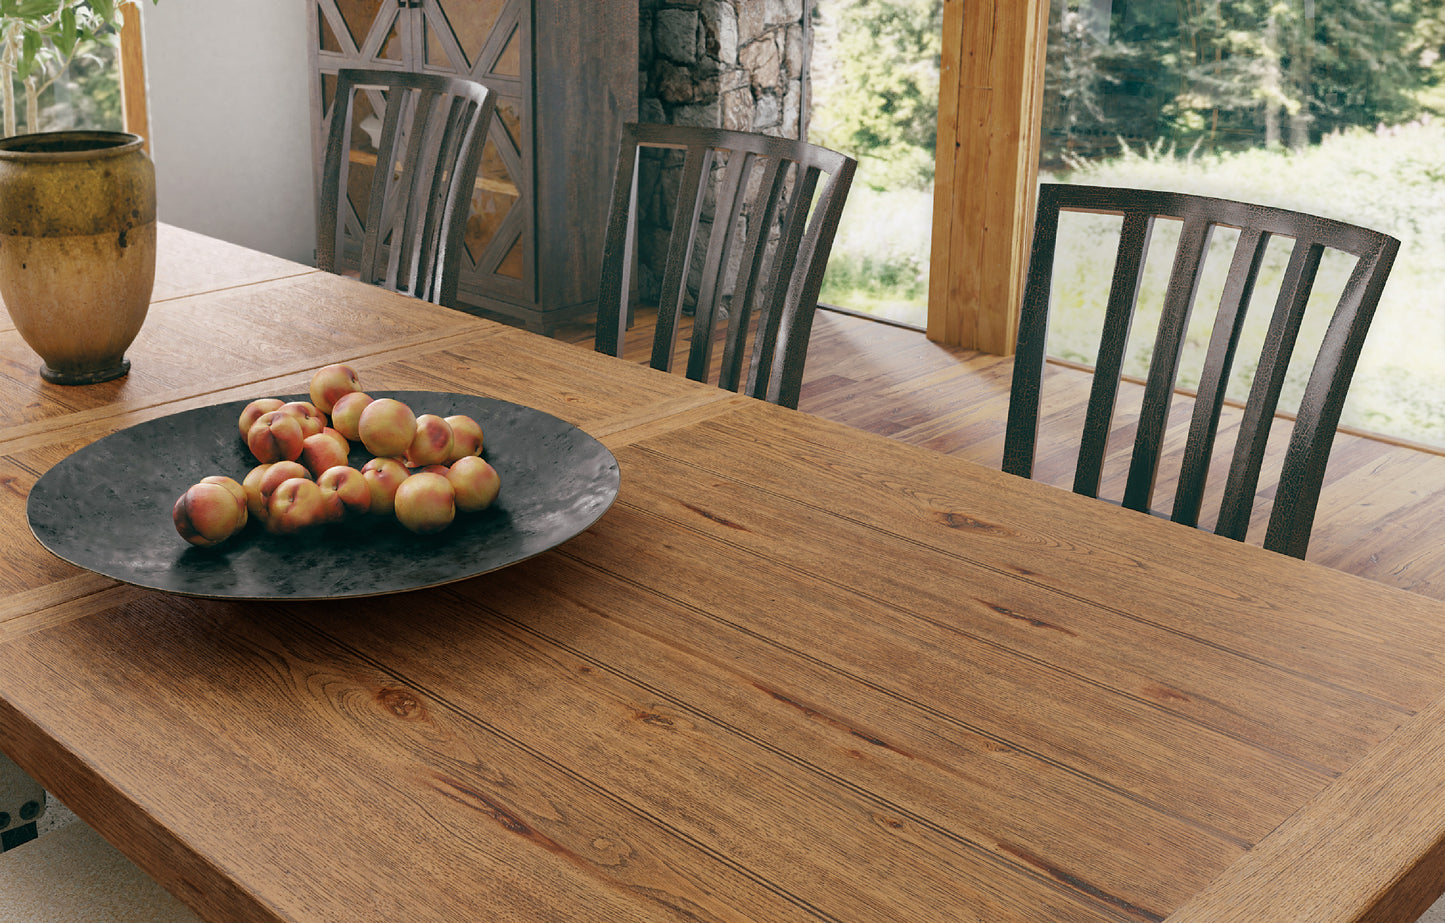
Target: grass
{"points": [[1391, 180]]}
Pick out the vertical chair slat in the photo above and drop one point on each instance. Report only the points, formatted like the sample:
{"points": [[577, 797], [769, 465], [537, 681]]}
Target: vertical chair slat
{"points": [[696, 165], [775, 298], [1128, 275], [774, 295], [438, 152], [619, 251], [785, 382], [1264, 394], [1214, 381], [411, 241], [751, 276], [408, 218], [1297, 492], [1164, 363], [1324, 399], [727, 209], [382, 184], [1022, 431]]}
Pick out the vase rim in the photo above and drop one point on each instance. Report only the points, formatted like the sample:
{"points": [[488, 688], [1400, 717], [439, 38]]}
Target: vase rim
{"points": [[69, 145]]}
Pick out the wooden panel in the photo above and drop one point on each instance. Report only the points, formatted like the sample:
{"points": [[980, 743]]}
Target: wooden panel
{"points": [[991, 87], [135, 111]]}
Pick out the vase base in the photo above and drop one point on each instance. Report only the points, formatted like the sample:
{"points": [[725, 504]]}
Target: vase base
{"points": [[109, 373]]}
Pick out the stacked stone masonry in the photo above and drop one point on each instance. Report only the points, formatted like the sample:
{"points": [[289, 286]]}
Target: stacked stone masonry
{"points": [[735, 64]]}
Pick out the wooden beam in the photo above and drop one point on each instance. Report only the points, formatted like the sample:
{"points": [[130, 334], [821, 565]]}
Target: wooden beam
{"points": [[985, 183], [134, 113]]}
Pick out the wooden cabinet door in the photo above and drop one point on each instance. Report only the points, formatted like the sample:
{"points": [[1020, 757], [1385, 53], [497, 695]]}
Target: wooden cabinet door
{"points": [[480, 39], [487, 41]]}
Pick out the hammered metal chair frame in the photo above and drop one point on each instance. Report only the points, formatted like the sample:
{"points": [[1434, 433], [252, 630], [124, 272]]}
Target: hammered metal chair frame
{"points": [[1298, 489], [775, 183], [433, 133]]}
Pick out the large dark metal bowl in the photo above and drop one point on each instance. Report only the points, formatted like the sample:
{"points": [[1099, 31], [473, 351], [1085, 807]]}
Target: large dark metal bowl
{"points": [[107, 508]]}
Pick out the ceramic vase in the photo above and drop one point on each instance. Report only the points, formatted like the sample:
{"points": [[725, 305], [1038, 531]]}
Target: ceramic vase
{"points": [[77, 248]]}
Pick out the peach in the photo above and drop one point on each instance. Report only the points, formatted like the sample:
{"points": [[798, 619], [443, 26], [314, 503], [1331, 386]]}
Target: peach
{"points": [[275, 436], [330, 382], [383, 476], [274, 476], [425, 503], [346, 414], [474, 482], [295, 506], [340, 439], [207, 514], [432, 443], [312, 420], [237, 490], [387, 427], [252, 411], [466, 436], [255, 502], [319, 452], [344, 492]]}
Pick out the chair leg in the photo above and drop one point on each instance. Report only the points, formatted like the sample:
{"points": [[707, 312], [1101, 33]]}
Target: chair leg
{"points": [[16, 836]]}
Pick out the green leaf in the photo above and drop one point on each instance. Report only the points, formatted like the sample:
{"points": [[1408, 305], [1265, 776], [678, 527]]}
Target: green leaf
{"points": [[36, 9], [66, 38], [27, 60], [105, 9]]}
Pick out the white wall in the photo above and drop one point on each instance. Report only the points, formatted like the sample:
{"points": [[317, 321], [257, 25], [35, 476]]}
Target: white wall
{"points": [[228, 89]]}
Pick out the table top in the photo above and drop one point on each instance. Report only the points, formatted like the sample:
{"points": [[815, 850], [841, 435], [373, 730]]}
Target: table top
{"points": [[796, 672]]}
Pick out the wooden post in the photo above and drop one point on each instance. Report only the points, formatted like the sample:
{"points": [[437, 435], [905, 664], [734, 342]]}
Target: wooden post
{"points": [[134, 113], [985, 184]]}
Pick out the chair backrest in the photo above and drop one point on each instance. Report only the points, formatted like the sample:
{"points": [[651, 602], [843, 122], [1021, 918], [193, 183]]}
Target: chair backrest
{"points": [[1303, 467], [421, 148], [752, 237]]}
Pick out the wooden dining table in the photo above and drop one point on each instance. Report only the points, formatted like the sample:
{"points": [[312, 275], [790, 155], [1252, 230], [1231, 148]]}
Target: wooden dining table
{"points": [[795, 672]]}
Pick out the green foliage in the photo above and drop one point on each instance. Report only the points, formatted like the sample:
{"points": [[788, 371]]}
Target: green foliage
{"points": [[879, 261], [876, 87], [1388, 180], [38, 41], [1233, 74]]}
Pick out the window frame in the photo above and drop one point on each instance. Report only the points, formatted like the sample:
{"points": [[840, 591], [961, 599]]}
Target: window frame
{"points": [[991, 80]]}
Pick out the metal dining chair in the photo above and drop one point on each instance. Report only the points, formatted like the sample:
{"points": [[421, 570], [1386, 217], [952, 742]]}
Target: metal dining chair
{"points": [[70, 873], [745, 250], [402, 155], [1297, 491]]}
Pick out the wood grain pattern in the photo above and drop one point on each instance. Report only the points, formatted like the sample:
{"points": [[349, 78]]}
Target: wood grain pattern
{"points": [[991, 85], [799, 671], [1377, 513]]}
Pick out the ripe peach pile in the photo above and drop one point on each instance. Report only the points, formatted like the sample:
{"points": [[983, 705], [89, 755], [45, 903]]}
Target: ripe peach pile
{"points": [[425, 468]]}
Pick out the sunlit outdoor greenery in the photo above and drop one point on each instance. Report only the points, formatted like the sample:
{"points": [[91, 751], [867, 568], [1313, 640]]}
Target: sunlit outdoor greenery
{"points": [[1332, 107]]}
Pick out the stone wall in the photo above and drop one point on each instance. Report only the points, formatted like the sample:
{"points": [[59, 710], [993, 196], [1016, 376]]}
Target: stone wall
{"points": [[735, 64]]}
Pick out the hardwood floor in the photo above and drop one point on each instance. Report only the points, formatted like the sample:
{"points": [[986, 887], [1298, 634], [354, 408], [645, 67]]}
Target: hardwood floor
{"points": [[1380, 515]]}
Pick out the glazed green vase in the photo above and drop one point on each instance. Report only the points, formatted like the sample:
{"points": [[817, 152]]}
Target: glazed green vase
{"points": [[77, 248]]}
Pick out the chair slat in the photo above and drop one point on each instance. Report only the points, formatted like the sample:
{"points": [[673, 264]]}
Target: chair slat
{"points": [[785, 260], [1134, 239], [752, 275], [1264, 393], [696, 165], [1214, 379], [772, 299], [1298, 488], [726, 212], [427, 160], [1164, 363]]}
